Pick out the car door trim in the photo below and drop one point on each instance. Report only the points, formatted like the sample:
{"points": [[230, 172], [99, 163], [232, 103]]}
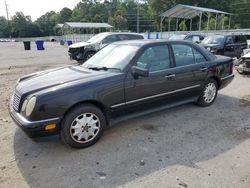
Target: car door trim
{"points": [[155, 96]]}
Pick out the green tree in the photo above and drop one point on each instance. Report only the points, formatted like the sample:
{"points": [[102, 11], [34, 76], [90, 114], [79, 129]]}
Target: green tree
{"points": [[22, 26], [64, 15], [48, 22], [4, 31]]}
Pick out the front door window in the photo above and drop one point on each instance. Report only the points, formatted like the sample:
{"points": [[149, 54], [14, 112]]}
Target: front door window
{"points": [[155, 58]]}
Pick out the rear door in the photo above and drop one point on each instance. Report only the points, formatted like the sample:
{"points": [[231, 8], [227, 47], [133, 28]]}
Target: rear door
{"points": [[230, 46], [191, 68]]}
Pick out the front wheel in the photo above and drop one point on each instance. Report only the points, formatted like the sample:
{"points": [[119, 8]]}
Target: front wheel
{"points": [[208, 93], [83, 126], [88, 55]]}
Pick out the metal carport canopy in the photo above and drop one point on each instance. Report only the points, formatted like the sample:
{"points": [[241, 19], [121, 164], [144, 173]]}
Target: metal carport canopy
{"points": [[188, 12], [84, 25]]}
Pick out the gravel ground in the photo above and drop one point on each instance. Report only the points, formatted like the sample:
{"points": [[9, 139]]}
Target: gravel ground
{"points": [[185, 146]]}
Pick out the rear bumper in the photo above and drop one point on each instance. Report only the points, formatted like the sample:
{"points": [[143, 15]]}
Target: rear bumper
{"points": [[35, 128], [224, 81]]}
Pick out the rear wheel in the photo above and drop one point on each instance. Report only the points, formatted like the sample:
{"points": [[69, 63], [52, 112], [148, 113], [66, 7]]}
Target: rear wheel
{"points": [[83, 126], [208, 93]]}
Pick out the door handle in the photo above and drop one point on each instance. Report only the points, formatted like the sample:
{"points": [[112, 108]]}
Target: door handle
{"points": [[170, 76], [203, 69]]}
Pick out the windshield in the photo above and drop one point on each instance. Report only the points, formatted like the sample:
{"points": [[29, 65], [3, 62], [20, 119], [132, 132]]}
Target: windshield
{"points": [[112, 57], [213, 40], [97, 38], [177, 37]]}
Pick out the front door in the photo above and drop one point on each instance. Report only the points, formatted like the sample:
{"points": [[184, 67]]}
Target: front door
{"points": [[156, 59]]}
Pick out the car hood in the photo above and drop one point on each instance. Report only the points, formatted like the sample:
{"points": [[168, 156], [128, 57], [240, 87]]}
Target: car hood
{"points": [[81, 44], [55, 77]]}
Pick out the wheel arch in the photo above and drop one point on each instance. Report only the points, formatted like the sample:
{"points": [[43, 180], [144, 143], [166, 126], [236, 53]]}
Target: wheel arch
{"points": [[216, 79], [90, 50], [91, 102]]}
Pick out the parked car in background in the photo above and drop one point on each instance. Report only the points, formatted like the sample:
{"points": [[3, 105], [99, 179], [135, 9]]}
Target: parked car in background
{"points": [[248, 40], [197, 38], [79, 101], [82, 51], [228, 45], [243, 63]]}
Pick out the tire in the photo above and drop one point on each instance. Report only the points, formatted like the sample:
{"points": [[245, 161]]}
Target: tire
{"points": [[88, 55], [208, 93], [77, 129]]}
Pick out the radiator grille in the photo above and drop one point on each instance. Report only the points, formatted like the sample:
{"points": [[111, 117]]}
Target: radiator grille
{"points": [[16, 102]]}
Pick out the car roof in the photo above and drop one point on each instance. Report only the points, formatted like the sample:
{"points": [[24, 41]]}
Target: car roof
{"points": [[147, 42], [195, 34], [127, 33], [150, 41], [226, 35]]}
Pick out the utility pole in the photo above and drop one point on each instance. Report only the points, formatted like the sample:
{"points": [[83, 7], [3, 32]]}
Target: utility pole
{"points": [[138, 16], [7, 13]]}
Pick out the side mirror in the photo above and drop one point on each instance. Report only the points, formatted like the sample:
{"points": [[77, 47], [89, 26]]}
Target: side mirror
{"points": [[137, 71]]}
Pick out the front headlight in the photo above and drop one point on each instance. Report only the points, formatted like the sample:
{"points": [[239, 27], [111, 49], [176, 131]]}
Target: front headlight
{"points": [[30, 106], [208, 48], [24, 105]]}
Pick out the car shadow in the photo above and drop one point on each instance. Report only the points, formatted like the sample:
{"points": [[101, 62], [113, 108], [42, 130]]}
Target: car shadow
{"points": [[136, 147]]}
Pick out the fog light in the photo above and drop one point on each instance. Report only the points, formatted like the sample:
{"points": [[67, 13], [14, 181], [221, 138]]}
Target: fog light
{"points": [[50, 126]]}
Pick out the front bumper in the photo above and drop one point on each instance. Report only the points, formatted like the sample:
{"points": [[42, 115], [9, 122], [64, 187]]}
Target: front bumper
{"points": [[76, 53], [224, 81], [35, 128]]}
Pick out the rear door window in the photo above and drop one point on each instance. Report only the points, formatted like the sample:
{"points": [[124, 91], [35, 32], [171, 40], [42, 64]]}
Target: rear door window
{"points": [[109, 39], [243, 39], [230, 40], [186, 55], [122, 37], [134, 37], [199, 58], [183, 55]]}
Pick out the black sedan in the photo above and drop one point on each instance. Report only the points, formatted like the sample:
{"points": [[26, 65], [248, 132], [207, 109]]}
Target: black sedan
{"points": [[79, 101]]}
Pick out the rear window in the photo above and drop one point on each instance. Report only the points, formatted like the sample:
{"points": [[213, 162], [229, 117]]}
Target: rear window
{"points": [[243, 38], [134, 37]]}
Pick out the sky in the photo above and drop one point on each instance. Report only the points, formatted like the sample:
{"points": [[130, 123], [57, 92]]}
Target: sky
{"points": [[35, 8]]}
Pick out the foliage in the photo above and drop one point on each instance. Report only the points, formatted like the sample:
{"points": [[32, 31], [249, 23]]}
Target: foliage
{"points": [[22, 26], [3, 27]]}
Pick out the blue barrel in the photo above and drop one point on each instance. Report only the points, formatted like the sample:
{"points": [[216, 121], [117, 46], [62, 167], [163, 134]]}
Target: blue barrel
{"points": [[157, 35], [39, 44], [149, 35], [69, 42]]}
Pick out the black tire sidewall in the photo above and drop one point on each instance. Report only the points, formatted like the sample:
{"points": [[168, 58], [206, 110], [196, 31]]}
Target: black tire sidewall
{"points": [[87, 54], [201, 101], [65, 131]]}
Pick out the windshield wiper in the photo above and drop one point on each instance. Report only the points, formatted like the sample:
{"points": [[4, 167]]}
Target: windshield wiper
{"points": [[103, 68]]}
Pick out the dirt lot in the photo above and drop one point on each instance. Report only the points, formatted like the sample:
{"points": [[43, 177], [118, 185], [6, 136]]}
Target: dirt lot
{"points": [[186, 146]]}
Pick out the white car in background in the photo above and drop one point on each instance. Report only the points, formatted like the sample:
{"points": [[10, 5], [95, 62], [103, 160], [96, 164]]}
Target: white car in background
{"points": [[243, 63], [82, 51]]}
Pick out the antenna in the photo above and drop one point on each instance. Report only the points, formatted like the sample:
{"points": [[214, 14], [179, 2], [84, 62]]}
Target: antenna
{"points": [[7, 13]]}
